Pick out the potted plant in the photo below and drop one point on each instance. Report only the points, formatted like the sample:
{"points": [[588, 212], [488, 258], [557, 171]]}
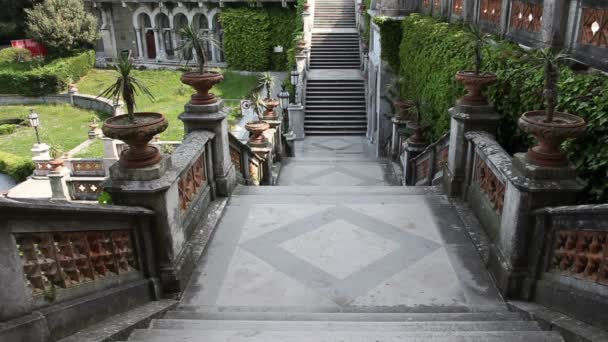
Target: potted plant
{"points": [[201, 80], [476, 81], [401, 105], [266, 83], [257, 127], [549, 127], [135, 129], [300, 42], [416, 125], [57, 159], [306, 5]]}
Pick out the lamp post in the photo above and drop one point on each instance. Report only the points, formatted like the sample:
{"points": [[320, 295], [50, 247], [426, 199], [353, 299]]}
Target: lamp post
{"points": [[295, 76], [34, 122], [284, 100]]}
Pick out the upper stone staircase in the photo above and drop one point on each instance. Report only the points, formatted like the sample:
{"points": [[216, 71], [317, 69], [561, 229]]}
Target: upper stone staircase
{"points": [[334, 14]]}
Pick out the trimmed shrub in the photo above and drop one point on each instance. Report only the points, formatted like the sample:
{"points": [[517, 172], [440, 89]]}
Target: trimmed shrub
{"points": [[16, 167], [390, 39], [15, 55], [251, 33], [432, 52], [7, 129], [47, 79]]}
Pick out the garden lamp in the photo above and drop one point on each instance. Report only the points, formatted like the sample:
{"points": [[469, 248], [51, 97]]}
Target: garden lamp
{"points": [[294, 76], [34, 122], [284, 98]]}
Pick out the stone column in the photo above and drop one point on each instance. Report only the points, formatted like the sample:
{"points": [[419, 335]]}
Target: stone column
{"points": [[410, 151], [213, 118], [275, 128], [296, 120], [555, 22], [138, 40], [469, 10], [158, 43], [59, 189], [395, 137], [465, 118]]}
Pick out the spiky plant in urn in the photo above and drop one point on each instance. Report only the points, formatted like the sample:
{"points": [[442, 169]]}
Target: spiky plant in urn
{"points": [[135, 129], [550, 127], [256, 128], [403, 107], [201, 80], [265, 84], [416, 125], [476, 81]]}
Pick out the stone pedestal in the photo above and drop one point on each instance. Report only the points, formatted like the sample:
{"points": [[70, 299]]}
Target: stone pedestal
{"points": [[41, 151], [275, 129], [530, 187], [290, 138], [296, 120], [213, 118], [465, 118], [395, 136], [59, 188], [266, 153], [410, 151], [143, 174]]}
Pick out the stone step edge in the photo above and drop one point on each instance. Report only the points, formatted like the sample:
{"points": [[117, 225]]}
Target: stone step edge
{"points": [[120, 326]]}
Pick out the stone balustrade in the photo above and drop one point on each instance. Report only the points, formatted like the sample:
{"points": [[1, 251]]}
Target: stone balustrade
{"points": [[426, 168], [65, 265]]}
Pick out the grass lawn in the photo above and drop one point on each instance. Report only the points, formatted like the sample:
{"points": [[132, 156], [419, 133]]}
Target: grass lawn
{"points": [[95, 150], [169, 93], [60, 125]]}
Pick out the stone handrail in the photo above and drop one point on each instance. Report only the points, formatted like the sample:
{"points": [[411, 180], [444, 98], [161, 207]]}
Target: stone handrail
{"points": [[427, 167], [568, 255], [249, 165], [57, 253]]}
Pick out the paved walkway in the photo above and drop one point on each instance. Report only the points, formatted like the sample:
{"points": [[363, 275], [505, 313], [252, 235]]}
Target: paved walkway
{"points": [[332, 239]]}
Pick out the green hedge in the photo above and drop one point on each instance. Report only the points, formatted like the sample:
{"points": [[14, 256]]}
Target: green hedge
{"points": [[7, 129], [16, 167], [250, 34], [51, 78], [432, 52], [390, 38]]}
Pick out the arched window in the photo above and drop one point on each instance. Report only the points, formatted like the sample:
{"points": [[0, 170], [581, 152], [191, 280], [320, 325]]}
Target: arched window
{"points": [[180, 21], [218, 35], [165, 30], [144, 21]]}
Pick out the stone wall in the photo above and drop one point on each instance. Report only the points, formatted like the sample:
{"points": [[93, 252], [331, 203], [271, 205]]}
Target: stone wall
{"points": [[90, 102]]}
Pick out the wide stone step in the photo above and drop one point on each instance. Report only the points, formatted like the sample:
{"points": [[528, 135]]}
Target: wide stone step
{"points": [[336, 133], [335, 118], [347, 316], [169, 335], [360, 102]]}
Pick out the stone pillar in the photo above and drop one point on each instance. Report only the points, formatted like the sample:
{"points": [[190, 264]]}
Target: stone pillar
{"points": [[110, 155], [139, 40], [15, 296], [410, 151], [469, 10], [532, 187], [296, 120], [276, 128], [465, 118], [59, 189], [213, 118], [396, 137], [158, 43], [555, 22]]}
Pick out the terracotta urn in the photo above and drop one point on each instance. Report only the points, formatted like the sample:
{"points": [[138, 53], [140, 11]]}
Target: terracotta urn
{"points": [[202, 83], [403, 109], [256, 131], [475, 85], [550, 136], [56, 164], [306, 6], [270, 105], [418, 129], [301, 45], [136, 135]]}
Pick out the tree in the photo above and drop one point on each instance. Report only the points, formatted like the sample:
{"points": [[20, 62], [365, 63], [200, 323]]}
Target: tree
{"points": [[61, 24]]}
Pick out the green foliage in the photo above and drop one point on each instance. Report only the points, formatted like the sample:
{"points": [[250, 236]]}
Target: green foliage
{"points": [[62, 25], [104, 198], [194, 39], [251, 33], [431, 53], [390, 38], [7, 129], [16, 167], [30, 79], [15, 55], [8, 31]]}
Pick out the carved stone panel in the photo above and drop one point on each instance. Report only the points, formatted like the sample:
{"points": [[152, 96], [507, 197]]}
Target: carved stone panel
{"points": [[458, 5], [526, 16], [491, 186], [235, 156], [581, 254], [68, 259], [191, 182], [594, 27], [490, 11], [423, 167], [87, 167], [441, 157]]}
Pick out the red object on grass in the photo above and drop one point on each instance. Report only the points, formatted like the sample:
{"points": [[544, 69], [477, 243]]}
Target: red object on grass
{"points": [[37, 49]]}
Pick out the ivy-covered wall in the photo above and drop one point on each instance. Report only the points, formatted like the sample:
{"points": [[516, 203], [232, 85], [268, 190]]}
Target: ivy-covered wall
{"points": [[390, 38], [250, 34], [432, 52]]}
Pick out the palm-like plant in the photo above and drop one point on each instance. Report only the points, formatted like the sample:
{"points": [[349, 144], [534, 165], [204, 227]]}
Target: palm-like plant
{"points": [[480, 39], [266, 82], [258, 104], [126, 86], [193, 39], [550, 59]]}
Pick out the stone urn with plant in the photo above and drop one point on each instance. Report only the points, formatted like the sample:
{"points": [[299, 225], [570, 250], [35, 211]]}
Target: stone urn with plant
{"points": [[256, 128], [201, 80], [548, 126], [265, 84], [415, 123], [57, 158], [300, 42], [476, 81], [135, 129], [402, 106]]}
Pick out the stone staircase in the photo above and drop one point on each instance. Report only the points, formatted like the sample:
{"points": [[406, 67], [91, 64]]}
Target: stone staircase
{"points": [[334, 14], [335, 107], [335, 51]]}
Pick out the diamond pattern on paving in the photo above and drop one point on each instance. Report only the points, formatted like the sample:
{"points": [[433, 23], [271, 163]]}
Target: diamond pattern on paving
{"points": [[333, 144], [335, 179], [340, 248], [365, 273]]}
